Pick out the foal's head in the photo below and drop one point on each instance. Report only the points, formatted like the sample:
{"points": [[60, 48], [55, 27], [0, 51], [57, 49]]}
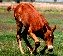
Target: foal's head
{"points": [[48, 37]]}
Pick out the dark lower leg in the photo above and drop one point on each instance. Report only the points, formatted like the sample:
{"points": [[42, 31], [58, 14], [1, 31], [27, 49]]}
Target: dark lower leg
{"points": [[37, 44]]}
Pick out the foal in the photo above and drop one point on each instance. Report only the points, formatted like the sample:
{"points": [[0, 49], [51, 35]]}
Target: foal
{"points": [[34, 25]]}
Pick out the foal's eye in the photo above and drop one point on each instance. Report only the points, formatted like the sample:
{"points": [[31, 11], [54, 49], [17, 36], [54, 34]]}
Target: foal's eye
{"points": [[53, 36], [45, 39]]}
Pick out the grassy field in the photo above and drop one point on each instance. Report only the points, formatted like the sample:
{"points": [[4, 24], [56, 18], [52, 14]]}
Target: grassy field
{"points": [[8, 43]]}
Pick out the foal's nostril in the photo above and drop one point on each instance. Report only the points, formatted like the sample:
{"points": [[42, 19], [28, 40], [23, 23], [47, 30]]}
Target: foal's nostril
{"points": [[50, 50]]}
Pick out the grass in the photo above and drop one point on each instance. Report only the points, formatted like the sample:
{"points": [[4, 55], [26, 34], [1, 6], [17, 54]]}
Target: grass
{"points": [[8, 43]]}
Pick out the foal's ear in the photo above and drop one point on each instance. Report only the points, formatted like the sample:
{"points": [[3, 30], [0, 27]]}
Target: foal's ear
{"points": [[53, 28]]}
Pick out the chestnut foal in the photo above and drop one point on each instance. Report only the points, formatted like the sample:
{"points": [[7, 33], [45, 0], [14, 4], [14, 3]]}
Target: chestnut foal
{"points": [[30, 22]]}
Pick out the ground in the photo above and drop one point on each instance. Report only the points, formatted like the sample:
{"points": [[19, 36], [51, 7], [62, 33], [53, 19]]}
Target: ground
{"points": [[8, 43]]}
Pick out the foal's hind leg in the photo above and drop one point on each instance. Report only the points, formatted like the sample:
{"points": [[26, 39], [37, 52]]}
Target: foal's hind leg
{"points": [[19, 36]]}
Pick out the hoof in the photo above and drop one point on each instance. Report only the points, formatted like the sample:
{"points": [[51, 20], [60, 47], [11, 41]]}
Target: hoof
{"points": [[37, 44], [34, 52], [22, 52], [42, 52], [31, 50]]}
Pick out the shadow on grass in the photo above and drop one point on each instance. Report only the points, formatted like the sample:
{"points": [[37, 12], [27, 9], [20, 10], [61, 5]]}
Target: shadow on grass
{"points": [[43, 53], [50, 55], [46, 54]]}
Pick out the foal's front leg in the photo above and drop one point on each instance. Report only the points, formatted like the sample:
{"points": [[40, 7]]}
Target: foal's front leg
{"points": [[34, 37]]}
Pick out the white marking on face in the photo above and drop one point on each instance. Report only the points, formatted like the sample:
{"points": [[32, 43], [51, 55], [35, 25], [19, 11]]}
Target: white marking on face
{"points": [[50, 47]]}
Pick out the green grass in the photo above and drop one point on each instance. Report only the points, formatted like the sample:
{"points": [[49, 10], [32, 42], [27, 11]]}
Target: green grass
{"points": [[8, 43]]}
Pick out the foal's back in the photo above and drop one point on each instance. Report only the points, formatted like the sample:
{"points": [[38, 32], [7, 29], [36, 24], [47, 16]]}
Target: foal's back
{"points": [[29, 16]]}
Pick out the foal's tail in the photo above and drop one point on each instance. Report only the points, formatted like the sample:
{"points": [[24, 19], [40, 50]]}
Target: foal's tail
{"points": [[9, 8], [12, 7]]}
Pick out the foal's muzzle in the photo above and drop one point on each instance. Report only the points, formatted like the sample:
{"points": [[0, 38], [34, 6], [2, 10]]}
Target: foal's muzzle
{"points": [[50, 48]]}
